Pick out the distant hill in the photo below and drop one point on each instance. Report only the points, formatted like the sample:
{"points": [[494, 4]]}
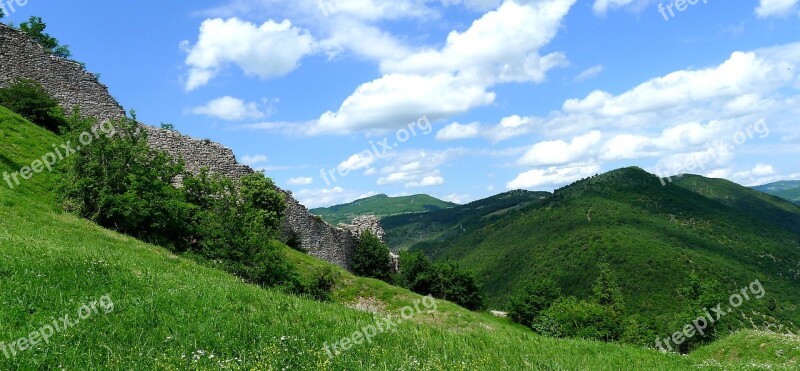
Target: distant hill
{"points": [[787, 190], [403, 231], [381, 206], [653, 236]]}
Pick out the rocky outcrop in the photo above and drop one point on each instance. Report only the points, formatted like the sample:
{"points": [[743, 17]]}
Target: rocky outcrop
{"points": [[72, 86]]}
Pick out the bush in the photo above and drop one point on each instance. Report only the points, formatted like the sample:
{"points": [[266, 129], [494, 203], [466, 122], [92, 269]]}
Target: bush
{"points": [[371, 258], [234, 225], [120, 183], [568, 317], [30, 100], [322, 284], [445, 281], [527, 303]]}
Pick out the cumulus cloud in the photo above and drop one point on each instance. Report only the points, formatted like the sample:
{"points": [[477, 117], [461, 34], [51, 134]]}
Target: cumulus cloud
{"points": [[356, 162], [559, 152], [300, 181], [325, 197], [500, 47], [416, 169], [553, 176], [266, 51], [457, 131], [254, 160], [229, 109], [776, 8]]}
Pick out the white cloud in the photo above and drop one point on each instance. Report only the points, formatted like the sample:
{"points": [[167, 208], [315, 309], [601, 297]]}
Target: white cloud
{"points": [[589, 73], [356, 162], [559, 152], [776, 8], [300, 181], [230, 109], [417, 168], [601, 7], [500, 47], [510, 127], [254, 160], [457, 131], [266, 51], [325, 197], [427, 181], [458, 199], [550, 177]]}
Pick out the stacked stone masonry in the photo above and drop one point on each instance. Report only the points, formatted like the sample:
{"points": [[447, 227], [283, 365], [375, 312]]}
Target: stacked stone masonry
{"points": [[73, 86]]}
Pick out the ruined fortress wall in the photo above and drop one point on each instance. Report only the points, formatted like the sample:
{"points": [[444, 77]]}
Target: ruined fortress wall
{"points": [[73, 87]]}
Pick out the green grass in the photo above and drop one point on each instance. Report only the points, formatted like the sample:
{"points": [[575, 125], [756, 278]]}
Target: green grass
{"points": [[380, 206], [171, 313]]}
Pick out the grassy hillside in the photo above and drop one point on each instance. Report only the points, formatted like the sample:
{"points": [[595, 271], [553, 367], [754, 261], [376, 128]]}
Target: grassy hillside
{"points": [[381, 206], [652, 235], [170, 313], [403, 231], [787, 190]]}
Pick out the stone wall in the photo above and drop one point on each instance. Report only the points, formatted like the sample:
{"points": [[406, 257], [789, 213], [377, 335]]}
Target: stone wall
{"points": [[73, 87]]}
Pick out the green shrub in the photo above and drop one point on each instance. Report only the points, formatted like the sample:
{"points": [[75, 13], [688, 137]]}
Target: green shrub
{"points": [[568, 317], [529, 301], [371, 258], [120, 183], [236, 224], [322, 284], [32, 101], [446, 281]]}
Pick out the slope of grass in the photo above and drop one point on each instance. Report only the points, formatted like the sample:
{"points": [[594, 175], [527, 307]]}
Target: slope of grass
{"points": [[171, 313], [381, 206], [753, 350], [787, 190]]}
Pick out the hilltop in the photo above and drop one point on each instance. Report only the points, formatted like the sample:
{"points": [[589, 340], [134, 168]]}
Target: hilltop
{"points": [[653, 236], [403, 231], [380, 206], [787, 190]]}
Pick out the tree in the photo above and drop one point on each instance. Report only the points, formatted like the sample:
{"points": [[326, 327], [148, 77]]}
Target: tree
{"points": [[371, 257], [699, 295], [607, 291], [533, 298], [30, 100], [35, 28]]}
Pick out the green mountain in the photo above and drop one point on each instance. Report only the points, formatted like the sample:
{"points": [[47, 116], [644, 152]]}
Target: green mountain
{"points": [[403, 231], [653, 236], [161, 311], [381, 206], [787, 190]]}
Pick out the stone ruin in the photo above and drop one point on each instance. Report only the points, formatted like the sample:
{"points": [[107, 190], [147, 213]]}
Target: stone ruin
{"points": [[69, 83]]}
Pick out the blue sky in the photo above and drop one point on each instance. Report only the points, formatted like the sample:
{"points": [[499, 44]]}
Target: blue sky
{"points": [[500, 94]]}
